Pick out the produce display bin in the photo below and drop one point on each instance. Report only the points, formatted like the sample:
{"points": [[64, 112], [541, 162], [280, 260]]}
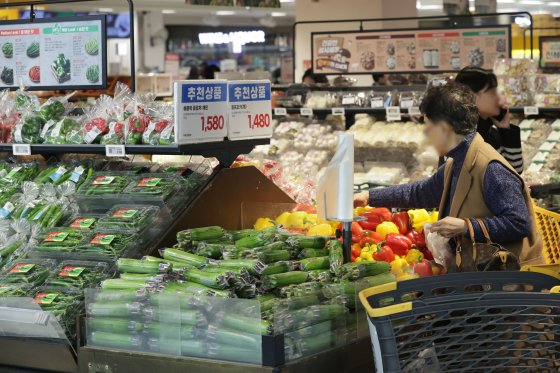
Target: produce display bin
{"points": [[472, 322]]}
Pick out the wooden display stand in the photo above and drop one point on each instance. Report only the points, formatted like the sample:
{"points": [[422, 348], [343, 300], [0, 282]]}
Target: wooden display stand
{"points": [[232, 199]]}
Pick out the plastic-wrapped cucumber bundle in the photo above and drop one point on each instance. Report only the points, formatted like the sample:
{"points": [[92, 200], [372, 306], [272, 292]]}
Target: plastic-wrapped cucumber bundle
{"points": [[321, 275], [336, 258], [310, 264], [28, 271], [312, 253], [78, 274], [123, 341], [142, 266], [204, 234], [210, 279], [278, 267], [114, 325], [314, 314], [263, 238], [354, 271], [284, 279], [104, 183], [161, 185], [212, 250], [307, 242], [181, 256], [299, 290], [252, 265]]}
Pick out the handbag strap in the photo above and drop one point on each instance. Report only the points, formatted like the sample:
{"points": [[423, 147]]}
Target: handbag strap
{"points": [[484, 230]]}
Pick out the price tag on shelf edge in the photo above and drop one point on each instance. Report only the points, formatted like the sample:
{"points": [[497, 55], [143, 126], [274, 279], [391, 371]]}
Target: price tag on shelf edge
{"points": [[338, 111], [280, 111], [306, 111], [201, 110], [531, 110], [21, 149], [393, 113], [115, 150], [414, 110], [250, 109]]}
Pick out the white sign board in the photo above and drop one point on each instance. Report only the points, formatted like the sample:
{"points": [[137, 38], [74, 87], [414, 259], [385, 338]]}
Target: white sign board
{"points": [[250, 110], [200, 110]]}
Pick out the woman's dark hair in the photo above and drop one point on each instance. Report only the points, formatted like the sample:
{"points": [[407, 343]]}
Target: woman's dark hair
{"points": [[452, 103], [477, 79], [318, 79], [307, 74]]}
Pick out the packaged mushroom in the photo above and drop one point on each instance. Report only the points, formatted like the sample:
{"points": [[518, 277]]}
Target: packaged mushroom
{"points": [[517, 91], [515, 67], [321, 100], [352, 99], [548, 83]]}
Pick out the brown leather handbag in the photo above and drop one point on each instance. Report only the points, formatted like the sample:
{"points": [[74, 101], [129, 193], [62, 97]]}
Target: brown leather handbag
{"points": [[485, 256]]}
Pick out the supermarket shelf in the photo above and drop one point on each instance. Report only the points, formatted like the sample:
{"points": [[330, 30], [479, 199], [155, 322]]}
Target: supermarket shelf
{"points": [[376, 88], [542, 110], [225, 151]]}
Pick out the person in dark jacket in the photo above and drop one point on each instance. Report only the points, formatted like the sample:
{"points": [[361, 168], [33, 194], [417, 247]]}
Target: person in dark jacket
{"points": [[475, 183], [500, 133]]}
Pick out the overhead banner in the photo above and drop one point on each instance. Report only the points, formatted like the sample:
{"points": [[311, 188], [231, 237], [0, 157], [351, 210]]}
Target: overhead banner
{"points": [[550, 52], [49, 54], [409, 51]]}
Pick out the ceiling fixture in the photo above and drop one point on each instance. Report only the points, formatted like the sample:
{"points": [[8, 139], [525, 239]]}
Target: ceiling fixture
{"points": [[505, 1], [168, 11], [287, 1], [554, 3], [106, 10], [531, 2], [522, 22], [225, 13], [278, 14]]}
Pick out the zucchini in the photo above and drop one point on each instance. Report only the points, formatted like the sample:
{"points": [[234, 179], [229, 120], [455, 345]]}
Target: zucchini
{"points": [[310, 264], [284, 279]]}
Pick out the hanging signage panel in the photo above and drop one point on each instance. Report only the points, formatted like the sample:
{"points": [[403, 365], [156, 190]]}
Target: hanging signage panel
{"points": [[64, 53], [408, 51], [549, 52]]}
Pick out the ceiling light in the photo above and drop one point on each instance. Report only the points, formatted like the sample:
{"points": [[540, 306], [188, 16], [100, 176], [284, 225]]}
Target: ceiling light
{"points": [[105, 10], [531, 2], [505, 1], [168, 11], [225, 13], [554, 3], [287, 1], [522, 21], [278, 14], [429, 7]]}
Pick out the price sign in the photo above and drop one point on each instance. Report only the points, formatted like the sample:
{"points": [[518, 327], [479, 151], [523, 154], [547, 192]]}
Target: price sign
{"points": [[115, 151], [393, 113], [306, 112], [337, 111], [21, 149], [531, 110], [200, 110], [414, 110], [250, 110], [280, 111]]}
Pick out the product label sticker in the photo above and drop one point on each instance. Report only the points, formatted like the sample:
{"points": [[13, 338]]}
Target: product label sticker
{"points": [[377, 103], [92, 135], [7, 209], [406, 103], [56, 237], [103, 239], [546, 146], [393, 113], [71, 271], [83, 222], [78, 171], [526, 124], [55, 176], [125, 213], [349, 100], [149, 182], [103, 180], [46, 128], [46, 298], [22, 268]]}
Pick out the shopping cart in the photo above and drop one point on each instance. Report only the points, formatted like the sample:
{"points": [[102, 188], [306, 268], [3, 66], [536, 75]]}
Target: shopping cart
{"points": [[471, 322], [548, 224]]}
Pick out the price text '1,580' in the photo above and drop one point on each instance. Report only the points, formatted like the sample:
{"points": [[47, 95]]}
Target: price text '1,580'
{"points": [[212, 123]]}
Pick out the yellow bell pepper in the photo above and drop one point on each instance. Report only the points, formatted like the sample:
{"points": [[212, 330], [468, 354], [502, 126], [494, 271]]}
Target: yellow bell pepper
{"points": [[414, 256], [321, 230], [358, 259], [399, 267], [283, 218], [434, 216], [407, 276], [309, 221], [419, 217], [386, 227], [297, 220], [361, 210], [263, 223]]}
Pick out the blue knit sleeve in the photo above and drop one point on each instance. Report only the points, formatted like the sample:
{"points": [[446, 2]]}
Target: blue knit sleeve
{"points": [[503, 194], [421, 194]]}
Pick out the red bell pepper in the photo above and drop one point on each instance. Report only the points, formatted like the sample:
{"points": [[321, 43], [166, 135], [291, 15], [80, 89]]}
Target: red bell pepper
{"points": [[355, 252], [382, 213], [427, 253], [402, 221], [356, 232], [398, 243], [369, 225], [417, 238], [423, 268], [370, 237], [384, 253]]}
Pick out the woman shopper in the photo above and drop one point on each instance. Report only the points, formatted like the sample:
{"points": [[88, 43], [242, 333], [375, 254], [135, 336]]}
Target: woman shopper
{"points": [[476, 181], [503, 136]]}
